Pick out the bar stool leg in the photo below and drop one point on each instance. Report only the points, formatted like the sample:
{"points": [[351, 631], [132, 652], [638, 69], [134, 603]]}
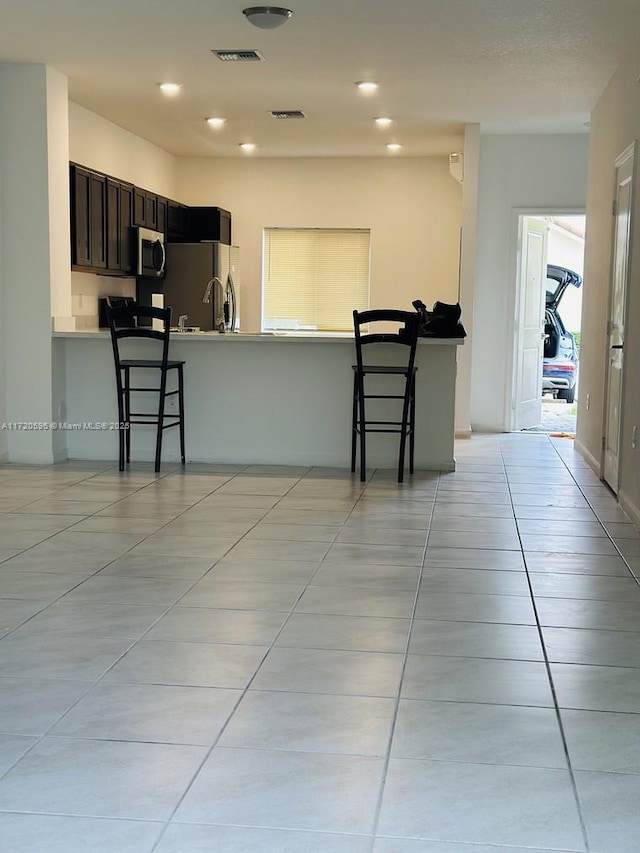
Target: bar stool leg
{"points": [[163, 389], [354, 423], [412, 423], [127, 413], [363, 430], [181, 413], [121, 419], [403, 428]]}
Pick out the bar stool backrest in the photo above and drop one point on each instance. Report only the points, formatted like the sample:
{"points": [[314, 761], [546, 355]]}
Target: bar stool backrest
{"points": [[124, 323], [407, 336]]}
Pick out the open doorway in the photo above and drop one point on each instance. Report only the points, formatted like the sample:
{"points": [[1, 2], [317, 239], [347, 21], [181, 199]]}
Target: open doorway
{"points": [[545, 377]]}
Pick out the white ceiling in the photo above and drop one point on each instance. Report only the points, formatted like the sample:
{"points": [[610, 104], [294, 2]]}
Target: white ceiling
{"points": [[512, 65]]}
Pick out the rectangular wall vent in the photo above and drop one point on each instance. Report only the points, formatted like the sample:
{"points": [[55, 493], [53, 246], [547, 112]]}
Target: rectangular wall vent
{"points": [[456, 166], [238, 55], [284, 114]]}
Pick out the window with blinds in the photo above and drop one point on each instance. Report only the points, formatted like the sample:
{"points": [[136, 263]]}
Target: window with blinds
{"points": [[314, 278]]}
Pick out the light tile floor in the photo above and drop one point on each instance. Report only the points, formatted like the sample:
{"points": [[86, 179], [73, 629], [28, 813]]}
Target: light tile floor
{"points": [[261, 659]]}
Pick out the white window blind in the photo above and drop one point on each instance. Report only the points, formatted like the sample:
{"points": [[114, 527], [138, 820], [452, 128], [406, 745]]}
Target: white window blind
{"points": [[314, 278]]}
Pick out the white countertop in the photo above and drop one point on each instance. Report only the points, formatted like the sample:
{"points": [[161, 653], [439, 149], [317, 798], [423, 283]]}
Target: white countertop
{"points": [[261, 337]]}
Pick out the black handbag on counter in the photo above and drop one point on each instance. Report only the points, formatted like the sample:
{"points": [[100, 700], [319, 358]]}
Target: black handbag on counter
{"points": [[443, 321]]}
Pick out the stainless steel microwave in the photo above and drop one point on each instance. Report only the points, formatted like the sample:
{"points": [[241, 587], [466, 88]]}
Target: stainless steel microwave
{"points": [[152, 254]]}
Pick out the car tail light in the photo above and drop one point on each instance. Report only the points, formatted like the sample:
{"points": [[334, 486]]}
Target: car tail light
{"points": [[561, 368]]}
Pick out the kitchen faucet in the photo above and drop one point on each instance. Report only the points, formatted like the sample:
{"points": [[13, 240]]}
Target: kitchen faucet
{"points": [[181, 321], [206, 297]]}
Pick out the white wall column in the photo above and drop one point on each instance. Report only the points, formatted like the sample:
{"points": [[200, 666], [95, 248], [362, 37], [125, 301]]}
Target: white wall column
{"points": [[34, 240], [467, 274]]}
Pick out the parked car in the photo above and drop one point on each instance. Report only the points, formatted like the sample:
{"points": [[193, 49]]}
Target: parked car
{"points": [[560, 359]]}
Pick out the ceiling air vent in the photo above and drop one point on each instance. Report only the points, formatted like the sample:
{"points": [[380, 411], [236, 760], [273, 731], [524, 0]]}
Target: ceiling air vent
{"points": [[238, 55], [284, 114]]}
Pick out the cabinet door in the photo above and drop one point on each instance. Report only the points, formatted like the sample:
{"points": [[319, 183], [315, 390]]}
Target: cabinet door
{"points": [[177, 221], [119, 200], [139, 207], [80, 217], [114, 254], [98, 221], [127, 259], [161, 215], [150, 211]]}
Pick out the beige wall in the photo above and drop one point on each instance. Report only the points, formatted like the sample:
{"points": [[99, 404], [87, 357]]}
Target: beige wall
{"points": [[412, 206], [101, 145], [615, 123]]}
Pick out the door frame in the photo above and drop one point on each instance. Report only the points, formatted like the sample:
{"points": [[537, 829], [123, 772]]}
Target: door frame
{"points": [[514, 297], [630, 151]]}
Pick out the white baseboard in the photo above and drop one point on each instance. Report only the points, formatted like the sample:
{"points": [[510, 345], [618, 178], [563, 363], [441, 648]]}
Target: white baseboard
{"points": [[630, 508], [463, 433], [589, 458]]}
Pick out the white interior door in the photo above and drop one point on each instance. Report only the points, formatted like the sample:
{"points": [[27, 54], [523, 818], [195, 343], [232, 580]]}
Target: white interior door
{"points": [[530, 324], [616, 324]]}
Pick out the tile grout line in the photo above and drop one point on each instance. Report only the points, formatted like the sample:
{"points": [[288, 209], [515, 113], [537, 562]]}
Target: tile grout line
{"points": [[396, 710], [243, 692], [551, 682], [134, 642]]}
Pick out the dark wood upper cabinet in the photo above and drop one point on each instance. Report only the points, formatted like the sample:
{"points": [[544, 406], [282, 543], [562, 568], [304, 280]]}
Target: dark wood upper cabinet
{"points": [[177, 221], [127, 254], [80, 188], [114, 253], [161, 214], [89, 219], [145, 209], [119, 235], [139, 207], [98, 221], [105, 212], [209, 223], [151, 211]]}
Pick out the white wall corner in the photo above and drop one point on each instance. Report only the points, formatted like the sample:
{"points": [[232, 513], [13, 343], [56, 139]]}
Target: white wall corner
{"points": [[468, 244], [588, 457], [631, 509]]}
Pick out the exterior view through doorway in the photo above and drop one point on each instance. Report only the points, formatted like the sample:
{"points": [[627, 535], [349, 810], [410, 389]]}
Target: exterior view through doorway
{"points": [[547, 322]]}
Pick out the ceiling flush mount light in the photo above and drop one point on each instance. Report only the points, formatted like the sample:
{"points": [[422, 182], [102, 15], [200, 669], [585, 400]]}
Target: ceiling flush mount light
{"points": [[393, 146], [170, 88], [383, 121], [247, 146], [367, 86], [216, 121], [267, 17]]}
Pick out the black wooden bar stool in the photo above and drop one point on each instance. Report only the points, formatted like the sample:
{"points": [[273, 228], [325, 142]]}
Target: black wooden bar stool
{"points": [[124, 323], [405, 337]]}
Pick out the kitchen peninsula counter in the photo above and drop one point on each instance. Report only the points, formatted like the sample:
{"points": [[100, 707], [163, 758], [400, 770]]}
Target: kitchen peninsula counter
{"points": [[277, 399]]}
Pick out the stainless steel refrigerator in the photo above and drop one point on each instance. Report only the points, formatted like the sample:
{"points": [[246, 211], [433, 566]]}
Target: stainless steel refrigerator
{"points": [[201, 282]]}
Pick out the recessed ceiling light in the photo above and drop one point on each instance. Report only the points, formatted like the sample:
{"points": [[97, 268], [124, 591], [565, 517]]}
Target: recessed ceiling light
{"points": [[247, 146], [383, 121], [367, 86], [170, 88], [216, 121], [394, 146]]}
